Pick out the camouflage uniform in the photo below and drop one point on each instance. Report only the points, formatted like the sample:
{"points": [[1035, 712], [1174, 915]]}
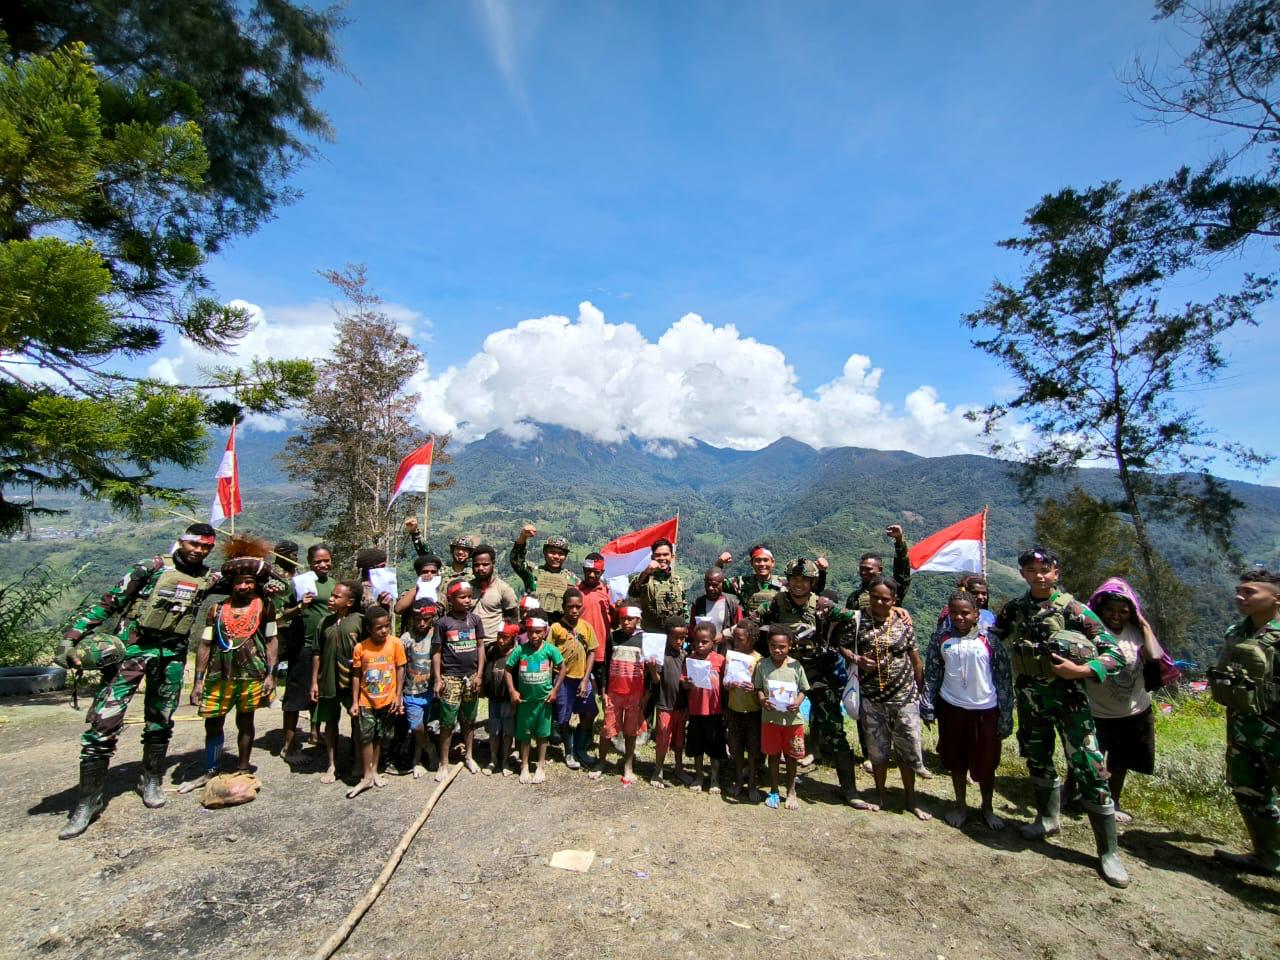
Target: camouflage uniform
{"points": [[448, 573], [547, 585], [659, 597], [1253, 737], [860, 600], [155, 629], [755, 594]]}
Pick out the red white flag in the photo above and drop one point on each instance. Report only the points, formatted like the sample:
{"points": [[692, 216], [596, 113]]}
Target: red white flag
{"points": [[630, 553], [414, 473], [960, 548], [226, 498]]}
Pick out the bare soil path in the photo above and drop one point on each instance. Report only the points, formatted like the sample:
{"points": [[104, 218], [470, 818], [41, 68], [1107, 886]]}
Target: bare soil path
{"points": [[677, 874]]}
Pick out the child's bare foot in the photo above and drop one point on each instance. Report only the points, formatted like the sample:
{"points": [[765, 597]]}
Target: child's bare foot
{"points": [[957, 817], [524, 775], [489, 769], [792, 802], [379, 781], [593, 775], [507, 772], [659, 783], [859, 804], [195, 784], [419, 771], [359, 788], [714, 789], [696, 787], [470, 764], [807, 760], [993, 822], [539, 775], [330, 776], [921, 813], [442, 773]]}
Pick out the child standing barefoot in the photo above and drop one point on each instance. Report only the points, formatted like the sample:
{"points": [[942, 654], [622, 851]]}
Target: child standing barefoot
{"points": [[780, 685], [673, 703], [457, 660], [706, 720], [418, 698], [533, 691], [624, 694], [742, 718], [377, 679]]}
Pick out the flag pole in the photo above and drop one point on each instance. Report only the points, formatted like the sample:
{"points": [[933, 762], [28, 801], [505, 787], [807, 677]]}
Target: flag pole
{"points": [[985, 508], [426, 494], [235, 479]]}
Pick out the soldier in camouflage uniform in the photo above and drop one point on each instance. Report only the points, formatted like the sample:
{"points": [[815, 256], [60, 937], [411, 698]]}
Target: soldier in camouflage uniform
{"points": [[871, 565], [657, 590], [459, 554], [1054, 644], [757, 590], [1244, 681], [549, 580], [156, 603], [809, 615]]}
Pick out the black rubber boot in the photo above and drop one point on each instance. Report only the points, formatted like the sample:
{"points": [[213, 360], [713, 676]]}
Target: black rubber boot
{"points": [[846, 772], [582, 744], [151, 783], [93, 774], [1103, 821], [1048, 809], [1265, 858]]}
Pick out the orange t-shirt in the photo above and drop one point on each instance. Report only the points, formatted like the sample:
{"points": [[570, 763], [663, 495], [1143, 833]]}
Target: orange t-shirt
{"points": [[379, 670]]}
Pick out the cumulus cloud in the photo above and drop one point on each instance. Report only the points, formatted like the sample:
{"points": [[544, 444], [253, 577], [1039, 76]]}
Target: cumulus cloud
{"points": [[608, 380]]}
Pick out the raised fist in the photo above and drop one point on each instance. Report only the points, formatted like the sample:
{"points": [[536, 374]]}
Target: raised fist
{"points": [[411, 526], [894, 532], [725, 557]]}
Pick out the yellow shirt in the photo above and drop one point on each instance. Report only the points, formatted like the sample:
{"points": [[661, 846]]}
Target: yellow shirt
{"points": [[574, 646]]}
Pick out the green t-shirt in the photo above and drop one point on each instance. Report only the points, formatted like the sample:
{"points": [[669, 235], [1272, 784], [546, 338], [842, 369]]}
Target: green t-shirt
{"points": [[777, 680], [535, 670], [337, 639]]}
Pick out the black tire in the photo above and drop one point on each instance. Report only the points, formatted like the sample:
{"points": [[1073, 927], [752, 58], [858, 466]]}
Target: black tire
{"points": [[21, 681]]}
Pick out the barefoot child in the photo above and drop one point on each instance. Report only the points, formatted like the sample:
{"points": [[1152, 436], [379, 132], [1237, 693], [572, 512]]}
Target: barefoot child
{"points": [[576, 640], [418, 696], [377, 682], [742, 716], [673, 703], [780, 685], [457, 661], [501, 722], [705, 736], [968, 688], [623, 710], [533, 690], [235, 663], [333, 645]]}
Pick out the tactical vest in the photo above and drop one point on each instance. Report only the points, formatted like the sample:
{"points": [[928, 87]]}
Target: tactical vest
{"points": [[1027, 634], [665, 599], [549, 587], [1244, 679], [168, 604], [756, 596], [799, 616]]}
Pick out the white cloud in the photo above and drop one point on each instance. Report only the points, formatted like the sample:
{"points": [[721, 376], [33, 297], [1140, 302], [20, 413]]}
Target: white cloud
{"points": [[499, 22], [696, 380]]}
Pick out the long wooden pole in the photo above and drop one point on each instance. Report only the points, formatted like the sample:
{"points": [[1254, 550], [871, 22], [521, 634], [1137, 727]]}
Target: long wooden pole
{"points": [[362, 907], [235, 477], [426, 494]]}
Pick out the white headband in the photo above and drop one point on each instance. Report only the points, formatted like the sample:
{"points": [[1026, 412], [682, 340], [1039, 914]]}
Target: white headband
{"points": [[630, 612], [535, 623]]}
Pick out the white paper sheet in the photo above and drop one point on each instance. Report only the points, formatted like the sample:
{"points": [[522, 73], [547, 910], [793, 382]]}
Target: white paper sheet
{"points": [[699, 672], [305, 583], [429, 589], [654, 646], [737, 667], [782, 694], [383, 580]]}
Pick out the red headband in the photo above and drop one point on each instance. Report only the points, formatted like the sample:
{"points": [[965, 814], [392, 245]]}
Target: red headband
{"points": [[207, 539], [454, 587], [761, 552], [593, 565]]}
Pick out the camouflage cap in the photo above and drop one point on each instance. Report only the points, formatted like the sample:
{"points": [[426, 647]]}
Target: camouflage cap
{"points": [[557, 543], [803, 567], [466, 543]]}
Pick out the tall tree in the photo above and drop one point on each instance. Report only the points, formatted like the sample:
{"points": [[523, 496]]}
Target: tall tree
{"points": [[359, 423], [117, 178], [1101, 359]]}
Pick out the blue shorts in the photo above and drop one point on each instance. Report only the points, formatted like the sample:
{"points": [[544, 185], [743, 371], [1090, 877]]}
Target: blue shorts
{"points": [[417, 709], [568, 702]]}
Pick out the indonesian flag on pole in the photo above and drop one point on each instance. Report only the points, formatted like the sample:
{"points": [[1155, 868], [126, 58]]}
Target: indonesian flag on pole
{"points": [[960, 548], [414, 473], [630, 553], [226, 498]]}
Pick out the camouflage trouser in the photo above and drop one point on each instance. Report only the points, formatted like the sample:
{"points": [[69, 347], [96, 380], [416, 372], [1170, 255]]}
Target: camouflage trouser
{"points": [[826, 716], [1050, 708], [1253, 764], [160, 664]]}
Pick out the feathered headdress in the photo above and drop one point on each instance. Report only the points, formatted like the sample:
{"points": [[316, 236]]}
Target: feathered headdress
{"points": [[243, 554]]}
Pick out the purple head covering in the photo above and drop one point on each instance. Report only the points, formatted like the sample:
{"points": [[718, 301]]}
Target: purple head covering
{"points": [[1118, 587]]}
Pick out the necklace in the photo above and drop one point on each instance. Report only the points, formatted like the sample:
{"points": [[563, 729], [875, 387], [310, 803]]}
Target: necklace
{"points": [[238, 623]]}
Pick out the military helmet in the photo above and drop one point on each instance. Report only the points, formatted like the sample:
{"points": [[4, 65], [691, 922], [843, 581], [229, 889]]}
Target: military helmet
{"points": [[557, 543], [94, 652], [466, 543], [802, 567], [1075, 645]]}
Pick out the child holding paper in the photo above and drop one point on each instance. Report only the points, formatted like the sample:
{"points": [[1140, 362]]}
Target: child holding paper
{"points": [[668, 678], [426, 587], [418, 696], [780, 686], [705, 736], [742, 716], [624, 693], [533, 691]]}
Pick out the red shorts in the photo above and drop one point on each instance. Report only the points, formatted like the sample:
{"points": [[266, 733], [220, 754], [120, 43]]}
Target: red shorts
{"points": [[777, 738], [670, 732], [623, 715]]}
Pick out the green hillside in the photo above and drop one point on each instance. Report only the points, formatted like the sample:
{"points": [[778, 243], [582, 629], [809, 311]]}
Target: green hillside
{"points": [[800, 500]]}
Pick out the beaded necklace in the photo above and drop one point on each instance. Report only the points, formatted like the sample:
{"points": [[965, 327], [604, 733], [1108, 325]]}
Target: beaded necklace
{"points": [[238, 623]]}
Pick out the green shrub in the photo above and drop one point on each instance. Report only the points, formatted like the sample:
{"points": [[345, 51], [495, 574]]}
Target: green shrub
{"points": [[28, 634]]}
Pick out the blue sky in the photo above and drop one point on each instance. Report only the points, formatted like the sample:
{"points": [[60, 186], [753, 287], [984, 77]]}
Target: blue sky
{"points": [[828, 179]]}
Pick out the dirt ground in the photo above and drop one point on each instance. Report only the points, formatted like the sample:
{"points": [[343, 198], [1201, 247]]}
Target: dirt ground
{"points": [[676, 874]]}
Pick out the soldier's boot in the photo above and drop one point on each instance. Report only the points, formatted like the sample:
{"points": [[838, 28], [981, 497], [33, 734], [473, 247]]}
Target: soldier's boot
{"points": [[1048, 809], [93, 775], [1103, 821], [846, 772], [151, 783], [1265, 858]]}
